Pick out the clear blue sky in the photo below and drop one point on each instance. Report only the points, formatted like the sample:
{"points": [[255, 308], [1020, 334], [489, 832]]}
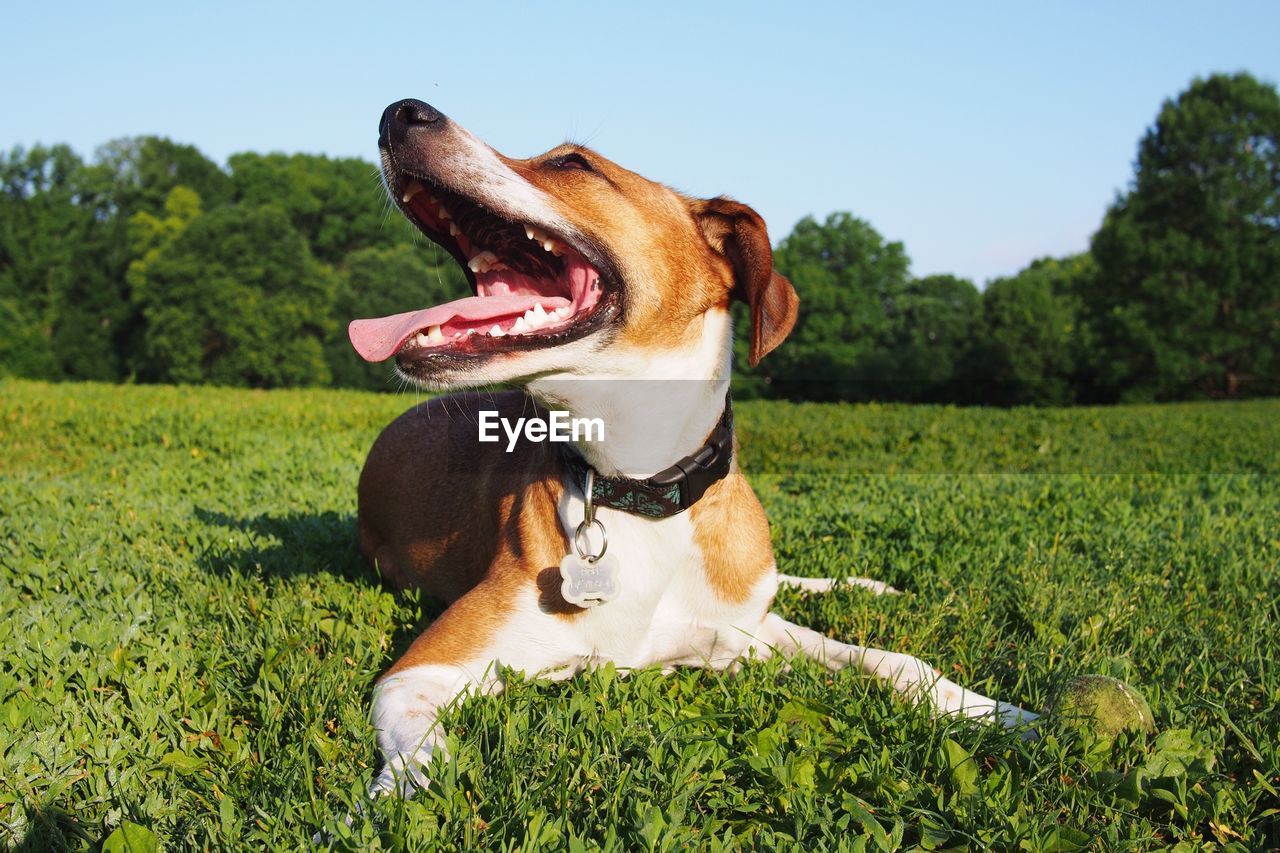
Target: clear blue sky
{"points": [[982, 138]]}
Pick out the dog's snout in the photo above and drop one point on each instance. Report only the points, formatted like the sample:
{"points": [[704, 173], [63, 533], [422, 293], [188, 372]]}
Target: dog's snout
{"points": [[402, 117]]}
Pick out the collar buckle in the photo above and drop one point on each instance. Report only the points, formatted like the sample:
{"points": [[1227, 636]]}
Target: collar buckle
{"points": [[699, 472]]}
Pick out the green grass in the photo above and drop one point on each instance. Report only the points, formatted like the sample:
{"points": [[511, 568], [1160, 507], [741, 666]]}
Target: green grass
{"points": [[188, 638]]}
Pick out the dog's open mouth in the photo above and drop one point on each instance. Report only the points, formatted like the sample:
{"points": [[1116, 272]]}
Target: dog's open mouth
{"points": [[532, 288]]}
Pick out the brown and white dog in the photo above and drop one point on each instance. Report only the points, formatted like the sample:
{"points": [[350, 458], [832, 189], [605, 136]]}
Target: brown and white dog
{"points": [[587, 277]]}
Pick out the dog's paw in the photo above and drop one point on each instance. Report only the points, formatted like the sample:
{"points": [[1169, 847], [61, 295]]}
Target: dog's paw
{"points": [[401, 776], [952, 699], [874, 587], [327, 837]]}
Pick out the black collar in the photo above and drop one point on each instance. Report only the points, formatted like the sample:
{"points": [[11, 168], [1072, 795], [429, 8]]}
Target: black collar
{"points": [[671, 491]]}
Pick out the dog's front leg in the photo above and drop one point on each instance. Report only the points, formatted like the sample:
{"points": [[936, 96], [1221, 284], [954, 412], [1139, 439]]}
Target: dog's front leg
{"points": [[908, 675], [407, 705], [458, 654]]}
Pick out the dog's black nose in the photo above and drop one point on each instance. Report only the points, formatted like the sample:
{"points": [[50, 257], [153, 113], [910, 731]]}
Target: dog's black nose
{"points": [[399, 118]]}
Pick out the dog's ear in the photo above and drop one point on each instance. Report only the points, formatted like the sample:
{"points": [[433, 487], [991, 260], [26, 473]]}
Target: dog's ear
{"points": [[737, 232]]}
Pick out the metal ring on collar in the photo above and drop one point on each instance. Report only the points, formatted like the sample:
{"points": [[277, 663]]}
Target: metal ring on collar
{"points": [[589, 518], [579, 538]]}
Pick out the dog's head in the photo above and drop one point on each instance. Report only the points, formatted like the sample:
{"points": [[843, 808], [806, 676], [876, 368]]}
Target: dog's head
{"points": [[577, 264]]}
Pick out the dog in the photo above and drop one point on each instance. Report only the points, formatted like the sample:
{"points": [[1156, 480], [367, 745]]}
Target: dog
{"points": [[606, 295]]}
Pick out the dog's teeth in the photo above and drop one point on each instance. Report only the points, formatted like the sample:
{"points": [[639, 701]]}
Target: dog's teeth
{"points": [[520, 326], [548, 243], [422, 340], [483, 262], [534, 320], [457, 335], [496, 332], [443, 213], [453, 230], [471, 333], [539, 312], [410, 191], [434, 335], [545, 240], [562, 311]]}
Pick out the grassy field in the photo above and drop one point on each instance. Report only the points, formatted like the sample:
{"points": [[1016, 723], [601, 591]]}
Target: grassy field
{"points": [[188, 638]]}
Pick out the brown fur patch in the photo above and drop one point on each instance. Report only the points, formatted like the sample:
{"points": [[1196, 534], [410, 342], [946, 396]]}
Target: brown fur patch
{"points": [[732, 531]]}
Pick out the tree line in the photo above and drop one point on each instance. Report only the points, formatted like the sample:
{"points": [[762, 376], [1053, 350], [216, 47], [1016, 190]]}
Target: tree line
{"points": [[152, 263]]}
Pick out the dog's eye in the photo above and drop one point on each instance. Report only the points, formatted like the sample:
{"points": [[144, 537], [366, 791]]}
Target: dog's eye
{"points": [[573, 161]]}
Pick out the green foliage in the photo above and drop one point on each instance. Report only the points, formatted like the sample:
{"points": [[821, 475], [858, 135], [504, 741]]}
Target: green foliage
{"points": [[25, 350], [1187, 299], [933, 321], [866, 330], [232, 297], [88, 250], [338, 205], [845, 274], [137, 174], [1029, 342], [61, 306], [129, 837], [148, 233], [188, 639]]}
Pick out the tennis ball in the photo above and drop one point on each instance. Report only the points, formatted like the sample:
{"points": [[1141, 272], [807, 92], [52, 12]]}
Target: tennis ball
{"points": [[1103, 705]]}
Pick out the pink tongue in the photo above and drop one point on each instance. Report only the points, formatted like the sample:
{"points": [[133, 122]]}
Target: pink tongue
{"points": [[378, 340]]}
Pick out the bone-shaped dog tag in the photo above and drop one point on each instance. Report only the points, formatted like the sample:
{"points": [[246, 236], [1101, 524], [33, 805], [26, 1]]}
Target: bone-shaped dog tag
{"points": [[587, 583]]}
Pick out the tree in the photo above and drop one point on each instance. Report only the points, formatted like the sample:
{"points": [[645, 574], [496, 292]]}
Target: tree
{"points": [[845, 274], [136, 174], [932, 322], [62, 301], [37, 217], [150, 234], [339, 205], [25, 349], [1187, 296], [235, 298], [1030, 340]]}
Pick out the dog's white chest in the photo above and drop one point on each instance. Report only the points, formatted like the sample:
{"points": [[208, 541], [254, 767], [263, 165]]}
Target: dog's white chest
{"points": [[664, 611]]}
